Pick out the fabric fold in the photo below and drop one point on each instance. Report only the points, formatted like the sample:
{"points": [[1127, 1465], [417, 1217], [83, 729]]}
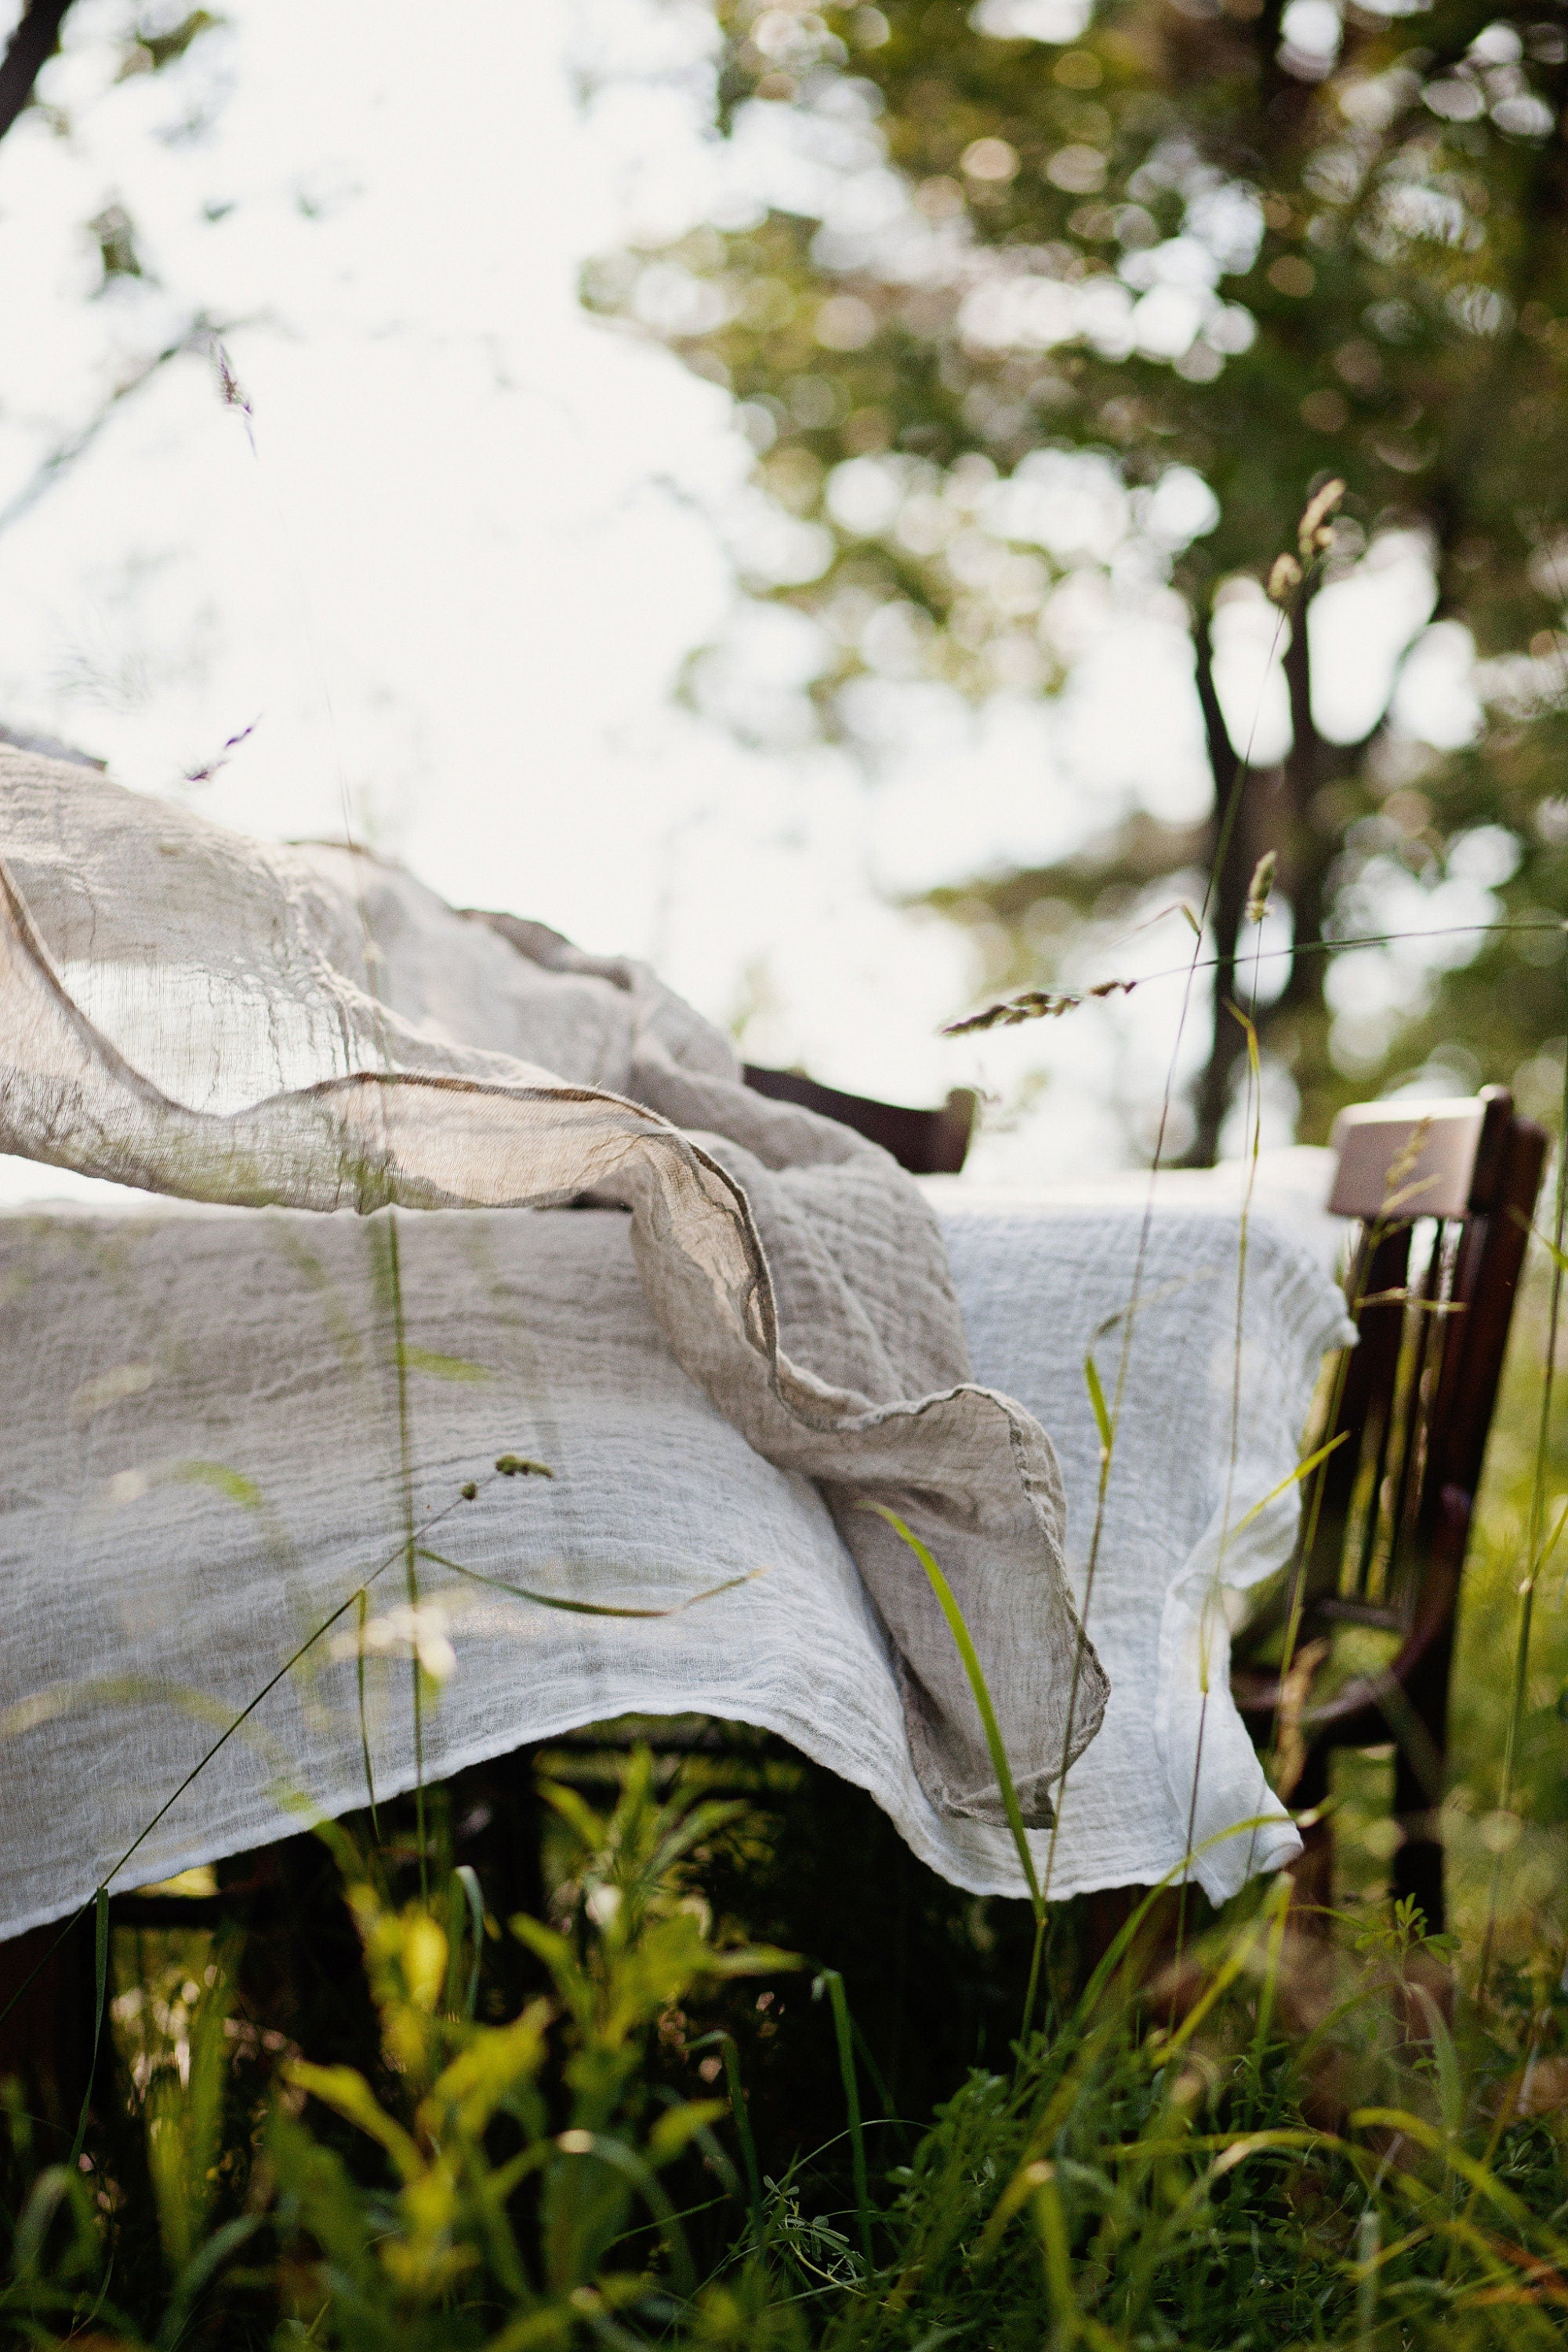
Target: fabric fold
{"points": [[194, 1013]]}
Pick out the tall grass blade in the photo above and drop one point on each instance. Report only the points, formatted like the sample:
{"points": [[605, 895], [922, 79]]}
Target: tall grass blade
{"points": [[100, 1991], [1291, 1478], [964, 1645], [466, 1881], [831, 1980], [585, 1608], [1102, 1419], [725, 2045], [1536, 1515], [362, 1599]]}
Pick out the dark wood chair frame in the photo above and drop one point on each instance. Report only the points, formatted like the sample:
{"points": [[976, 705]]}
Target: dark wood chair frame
{"points": [[926, 1143], [1386, 1524]]}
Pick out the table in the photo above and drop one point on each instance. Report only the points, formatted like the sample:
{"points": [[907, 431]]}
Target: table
{"points": [[116, 1682]]}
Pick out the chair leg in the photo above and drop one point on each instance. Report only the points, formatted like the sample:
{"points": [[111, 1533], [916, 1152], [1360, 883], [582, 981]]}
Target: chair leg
{"points": [[1419, 1864], [1419, 1784]]}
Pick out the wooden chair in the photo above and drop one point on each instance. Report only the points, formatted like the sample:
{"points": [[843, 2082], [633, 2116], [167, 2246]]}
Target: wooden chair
{"points": [[926, 1143], [1443, 1193]]}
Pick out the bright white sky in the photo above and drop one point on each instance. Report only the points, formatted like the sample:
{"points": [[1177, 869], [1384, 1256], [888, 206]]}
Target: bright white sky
{"points": [[458, 578]]}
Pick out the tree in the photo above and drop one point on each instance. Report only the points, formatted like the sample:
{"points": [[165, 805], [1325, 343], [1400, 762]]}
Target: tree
{"points": [[141, 43], [147, 47], [1228, 250], [32, 45]]}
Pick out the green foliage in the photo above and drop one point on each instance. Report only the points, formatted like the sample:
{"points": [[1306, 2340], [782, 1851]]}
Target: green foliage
{"points": [[1207, 265], [498, 2219], [1273, 2138]]}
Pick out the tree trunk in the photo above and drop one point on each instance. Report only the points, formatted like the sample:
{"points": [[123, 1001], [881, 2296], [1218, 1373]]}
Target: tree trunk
{"points": [[1228, 871], [1303, 856], [1296, 1021], [1272, 811], [32, 45]]}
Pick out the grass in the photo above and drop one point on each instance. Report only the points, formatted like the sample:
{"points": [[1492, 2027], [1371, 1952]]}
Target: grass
{"points": [[650, 2131]]}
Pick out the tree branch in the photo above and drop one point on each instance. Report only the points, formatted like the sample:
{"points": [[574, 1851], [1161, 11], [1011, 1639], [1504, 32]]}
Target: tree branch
{"points": [[66, 453], [31, 46]]}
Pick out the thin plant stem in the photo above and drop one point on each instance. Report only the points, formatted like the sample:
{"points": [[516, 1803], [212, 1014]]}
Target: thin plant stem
{"points": [[410, 1538], [1189, 976], [1199, 963], [200, 1766], [364, 1600], [964, 1642], [1536, 1527], [100, 1994], [236, 398], [834, 1983], [1036, 1956]]}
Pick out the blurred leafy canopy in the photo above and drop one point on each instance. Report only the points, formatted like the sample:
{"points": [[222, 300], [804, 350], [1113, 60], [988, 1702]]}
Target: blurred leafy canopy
{"points": [[1221, 252]]}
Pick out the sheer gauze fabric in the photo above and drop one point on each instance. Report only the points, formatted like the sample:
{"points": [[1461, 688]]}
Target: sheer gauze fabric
{"points": [[195, 1014]]}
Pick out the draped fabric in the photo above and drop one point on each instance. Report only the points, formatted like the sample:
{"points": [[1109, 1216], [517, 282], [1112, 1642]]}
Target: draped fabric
{"points": [[194, 1013]]}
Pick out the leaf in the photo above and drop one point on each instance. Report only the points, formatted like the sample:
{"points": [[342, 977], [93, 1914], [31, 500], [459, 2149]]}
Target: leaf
{"points": [[585, 1608], [346, 2092], [489, 2071], [1482, 2179], [443, 1368], [1450, 2082], [231, 1484], [1559, 1257], [1302, 1470], [519, 1466], [466, 1886], [592, 1829], [629, 2164], [1102, 1409], [678, 2127], [559, 1957]]}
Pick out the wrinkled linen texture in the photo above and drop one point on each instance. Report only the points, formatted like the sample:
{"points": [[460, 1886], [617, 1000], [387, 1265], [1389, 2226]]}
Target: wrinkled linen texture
{"points": [[206, 1467], [193, 1013], [206, 1499], [1213, 1373]]}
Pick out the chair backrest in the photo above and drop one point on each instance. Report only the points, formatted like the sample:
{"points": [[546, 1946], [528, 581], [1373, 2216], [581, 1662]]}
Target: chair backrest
{"points": [[926, 1143], [1444, 1193]]}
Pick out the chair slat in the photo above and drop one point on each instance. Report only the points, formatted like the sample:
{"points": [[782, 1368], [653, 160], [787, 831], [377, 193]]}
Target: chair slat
{"points": [[1416, 1401], [926, 1143], [1406, 1160]]}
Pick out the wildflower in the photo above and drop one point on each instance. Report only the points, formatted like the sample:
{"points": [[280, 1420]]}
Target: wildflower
{"points": [[1314, 536], [1034, 1004], [1284, 580], [1260, 886], [233, 391]]}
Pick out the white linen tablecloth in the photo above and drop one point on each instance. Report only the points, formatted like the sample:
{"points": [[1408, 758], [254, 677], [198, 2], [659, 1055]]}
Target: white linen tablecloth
{"points": [[115, 1686]]}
